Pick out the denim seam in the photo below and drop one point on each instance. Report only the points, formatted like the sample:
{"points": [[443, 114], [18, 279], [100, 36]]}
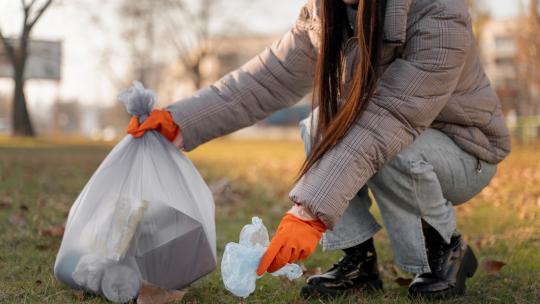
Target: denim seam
{"points": [[415, 189], [350, 243], [420, 233], [447, 235]]}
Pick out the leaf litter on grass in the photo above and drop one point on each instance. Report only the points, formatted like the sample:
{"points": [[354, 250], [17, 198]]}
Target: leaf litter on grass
{"points": [[54, 231], [491, 221], [493, 267], [151, 294], [6, 202]]}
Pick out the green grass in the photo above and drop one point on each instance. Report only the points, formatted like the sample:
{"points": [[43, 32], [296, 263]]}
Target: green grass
{"points": [[40, 179]]}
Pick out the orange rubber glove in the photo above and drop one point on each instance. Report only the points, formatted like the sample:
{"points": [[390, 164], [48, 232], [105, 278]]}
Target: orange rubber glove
{"points": [[159, 120], [295, 240]]}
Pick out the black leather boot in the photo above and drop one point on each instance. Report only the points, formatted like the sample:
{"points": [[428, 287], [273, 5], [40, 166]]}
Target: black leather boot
{"points": [[451, 264], [356, 271]]}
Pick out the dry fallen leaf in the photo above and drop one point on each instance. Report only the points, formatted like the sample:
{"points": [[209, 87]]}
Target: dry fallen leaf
{"points": [[55, 230], [493, 267], [151, 294], [403, 281], [6, 202]]}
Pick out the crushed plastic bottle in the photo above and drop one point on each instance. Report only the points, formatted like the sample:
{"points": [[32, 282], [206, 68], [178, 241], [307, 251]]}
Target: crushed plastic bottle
{"points": [[98, 275], [240, 260]]}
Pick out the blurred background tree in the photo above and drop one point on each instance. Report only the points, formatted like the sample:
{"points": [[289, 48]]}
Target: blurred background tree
{"points": [[528, 62], [165, 42], [17, 52], [480, 16], [152, 28], [178, 46]]}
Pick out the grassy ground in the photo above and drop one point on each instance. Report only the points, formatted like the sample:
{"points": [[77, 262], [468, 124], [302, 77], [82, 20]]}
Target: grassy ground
{"points": [[39, 180]]}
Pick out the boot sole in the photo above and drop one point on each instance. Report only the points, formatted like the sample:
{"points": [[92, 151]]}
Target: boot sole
{"points": [[467, 270], [316, 291]]}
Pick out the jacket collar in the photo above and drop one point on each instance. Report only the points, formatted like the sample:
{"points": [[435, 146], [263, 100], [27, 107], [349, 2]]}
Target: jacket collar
{"points": [[395, 23]]}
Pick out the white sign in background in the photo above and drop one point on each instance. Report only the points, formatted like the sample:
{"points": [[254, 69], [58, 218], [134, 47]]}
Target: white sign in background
{"points": [[44, 60]]}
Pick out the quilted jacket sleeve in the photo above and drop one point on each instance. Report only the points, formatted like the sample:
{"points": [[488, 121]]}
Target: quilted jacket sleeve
{"points": [[409, 95], [276, 78]]}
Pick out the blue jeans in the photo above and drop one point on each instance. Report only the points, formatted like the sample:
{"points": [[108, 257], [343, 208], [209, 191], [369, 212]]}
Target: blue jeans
{"points": [[424, 181]]}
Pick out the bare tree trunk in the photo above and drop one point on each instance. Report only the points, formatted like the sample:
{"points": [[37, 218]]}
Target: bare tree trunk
{"points": [[18, 55], [21, 123]]}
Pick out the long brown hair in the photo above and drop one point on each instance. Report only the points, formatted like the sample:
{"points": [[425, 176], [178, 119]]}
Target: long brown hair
{"points": [[334, 121]]}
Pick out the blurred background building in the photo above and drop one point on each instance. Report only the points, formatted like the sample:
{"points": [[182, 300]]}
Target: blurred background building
{"points": [[511, 57], [178, 46]]}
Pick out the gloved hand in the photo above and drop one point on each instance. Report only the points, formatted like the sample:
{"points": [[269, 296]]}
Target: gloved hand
{"points": [[159, 120], [295, 239]]}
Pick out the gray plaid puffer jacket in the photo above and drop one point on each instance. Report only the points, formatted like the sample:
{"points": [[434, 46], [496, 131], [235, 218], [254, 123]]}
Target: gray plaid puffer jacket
{"points": [[432, 77]]}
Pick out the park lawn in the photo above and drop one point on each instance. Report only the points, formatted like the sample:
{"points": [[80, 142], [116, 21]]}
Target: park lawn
{"points": [[40, 179]]}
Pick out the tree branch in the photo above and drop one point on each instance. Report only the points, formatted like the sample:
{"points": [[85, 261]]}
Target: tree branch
{"points": [[39, 13], [9, 49], [31, 3]]}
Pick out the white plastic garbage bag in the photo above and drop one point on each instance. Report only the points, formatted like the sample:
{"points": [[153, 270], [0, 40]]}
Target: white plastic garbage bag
{"points": [[240, 261], [146, 214]]}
